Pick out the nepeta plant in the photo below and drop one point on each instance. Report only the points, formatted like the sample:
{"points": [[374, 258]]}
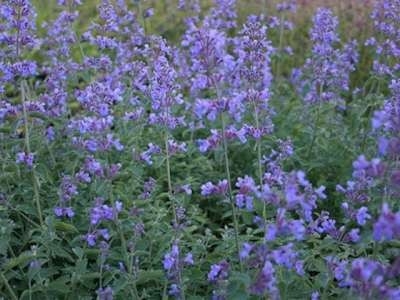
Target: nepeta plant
{"points": [[325, 75], [386, 21], [121, 146]]}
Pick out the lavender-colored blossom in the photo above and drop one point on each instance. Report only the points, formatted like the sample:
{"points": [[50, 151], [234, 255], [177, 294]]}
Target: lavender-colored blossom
{"points": [[93, 166], [266, 282], [287, 6], [247, 189], [209, 189], [173, 264], [285, 227], [25, 158], [325, 74], [148, 187], [218, 271], [245, 251], [165, 91], [387, 226], [315, 296], [385, 16], [17, 27], [287, 257], [64, 212], [102, 211], [362, 215], [171, 258], [147, 155], [338, 269], [105, 293], [354, 235]]}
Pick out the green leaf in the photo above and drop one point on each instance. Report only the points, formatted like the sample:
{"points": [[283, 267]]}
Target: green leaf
{"points": [[60, 285], [65, 227], [22, 259], [150, 275]]}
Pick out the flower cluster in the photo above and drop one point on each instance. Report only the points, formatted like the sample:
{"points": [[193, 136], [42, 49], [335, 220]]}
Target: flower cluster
{"points": [[325, 75]]}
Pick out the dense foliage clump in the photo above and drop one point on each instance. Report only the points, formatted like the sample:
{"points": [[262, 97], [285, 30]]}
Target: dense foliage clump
{"points": [[239, 161]]}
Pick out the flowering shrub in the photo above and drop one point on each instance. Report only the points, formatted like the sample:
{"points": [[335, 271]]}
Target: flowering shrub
{"points": [[137, 166]]}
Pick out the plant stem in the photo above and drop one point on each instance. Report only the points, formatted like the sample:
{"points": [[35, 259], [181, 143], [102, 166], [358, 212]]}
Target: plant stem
{"points": [[314, 131], [8, 287], [315, 127], [259, 157], [230, 193], [228, 177], [279, 60], [141, 13], [28, 149], [168, 169], [124, 246], [172, 199]]}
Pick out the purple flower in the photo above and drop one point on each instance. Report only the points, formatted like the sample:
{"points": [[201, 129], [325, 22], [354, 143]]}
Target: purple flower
{"points": [[338, 268], [209, 189], [93, 166], [147, 155], [354, 235], [315, 296], [25, 158], [105, 293], [64, 212], [326, 74], [91, 239], [174, 290], [246, 249], [386, 19], [388, 225], [218, 271], [287, 256], [102, 212], [171, 258], [148, 187], [362, 215], [189, 259], [266, 282]]}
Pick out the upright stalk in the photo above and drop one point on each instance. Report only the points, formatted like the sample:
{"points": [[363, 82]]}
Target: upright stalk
{"points": [[315, 127], [141, 13], [228, 177], [259, 157], [168, 169], [8, 287], [279, 60], [230, 193], [28, 149], [134, 292], [172, 199]]}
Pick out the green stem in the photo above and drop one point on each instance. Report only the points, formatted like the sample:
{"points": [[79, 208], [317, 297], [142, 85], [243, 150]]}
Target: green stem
{"points": [[172, 199], [228, 175], [8, 287], [230, 193], [315, 125], [279, 60], [134, 293], [28, 149], [26, 217], [168, 169], [142, 17], [259, 157]]}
